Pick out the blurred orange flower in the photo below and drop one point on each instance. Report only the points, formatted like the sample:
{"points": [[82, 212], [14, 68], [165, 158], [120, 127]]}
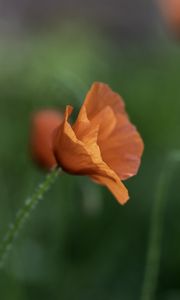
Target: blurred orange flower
{"points": [[171, 12], [42, 126], [102, 143]]}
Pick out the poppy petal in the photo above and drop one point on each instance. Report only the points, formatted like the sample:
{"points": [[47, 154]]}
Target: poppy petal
{"points": [[120, 143], [105, 120], [117, 188], [82, 126], [124, 148], [99, 96], [83, 157], [74, 155]]}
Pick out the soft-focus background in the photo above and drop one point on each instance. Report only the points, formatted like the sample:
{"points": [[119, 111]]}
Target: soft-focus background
{"points": [[80, 243]]}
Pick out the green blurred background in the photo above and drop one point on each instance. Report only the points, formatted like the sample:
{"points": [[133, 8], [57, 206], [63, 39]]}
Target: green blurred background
{"points": [[80, 243]]}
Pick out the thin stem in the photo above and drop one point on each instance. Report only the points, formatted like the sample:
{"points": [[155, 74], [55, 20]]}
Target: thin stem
{"points": [[24, 213], [156, 228]]}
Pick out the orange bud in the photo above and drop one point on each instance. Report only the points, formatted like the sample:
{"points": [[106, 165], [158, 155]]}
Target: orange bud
{"points": [[43, 124]]}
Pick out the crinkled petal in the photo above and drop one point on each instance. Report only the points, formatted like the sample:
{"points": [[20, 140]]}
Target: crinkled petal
{"points": [[99, 96], [104, 119], [79, 156], [123, 149], [83, 157], [120, 143], [117, 188]]}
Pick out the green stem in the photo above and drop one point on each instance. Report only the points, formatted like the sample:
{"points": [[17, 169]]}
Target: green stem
{"points": [[156, 228], [24, 213]]}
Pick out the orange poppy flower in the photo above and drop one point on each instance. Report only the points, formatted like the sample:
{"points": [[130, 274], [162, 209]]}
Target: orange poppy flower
{"points": [[171, 13], [42, 127], [102, 143]]}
